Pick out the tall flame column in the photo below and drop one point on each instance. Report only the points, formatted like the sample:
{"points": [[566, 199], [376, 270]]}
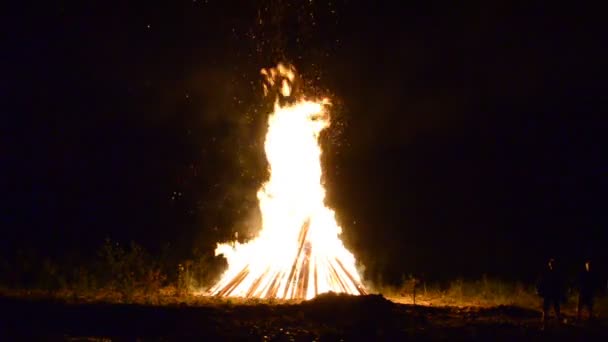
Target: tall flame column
{"points": [[298, 252]]}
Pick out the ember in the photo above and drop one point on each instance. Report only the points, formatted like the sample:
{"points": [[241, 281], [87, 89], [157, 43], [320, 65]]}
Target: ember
{"points": [[298, 253]]}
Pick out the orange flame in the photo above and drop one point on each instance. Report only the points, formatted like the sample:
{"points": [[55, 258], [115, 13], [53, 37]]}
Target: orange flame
{"points": [[298, 253]]}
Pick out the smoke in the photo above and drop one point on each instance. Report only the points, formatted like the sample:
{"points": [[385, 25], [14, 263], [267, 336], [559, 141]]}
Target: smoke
{"points": [[231, 112]]}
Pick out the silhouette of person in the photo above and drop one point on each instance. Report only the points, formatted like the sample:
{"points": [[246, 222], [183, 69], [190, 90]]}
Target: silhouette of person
{"points": [[550, 287], [587, 287]]}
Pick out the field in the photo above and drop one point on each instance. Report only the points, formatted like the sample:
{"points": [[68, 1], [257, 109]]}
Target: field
{"points": [[129, 294], [328, 317]]}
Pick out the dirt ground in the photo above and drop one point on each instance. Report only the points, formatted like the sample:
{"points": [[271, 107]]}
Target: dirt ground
{"points": [[328, 317]]}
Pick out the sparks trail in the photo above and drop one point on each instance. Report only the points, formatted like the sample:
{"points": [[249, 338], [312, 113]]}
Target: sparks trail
{"points": [[298, 253]]}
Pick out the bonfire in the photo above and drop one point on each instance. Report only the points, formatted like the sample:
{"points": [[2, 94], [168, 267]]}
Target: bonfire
{"points": [[298, 253]]}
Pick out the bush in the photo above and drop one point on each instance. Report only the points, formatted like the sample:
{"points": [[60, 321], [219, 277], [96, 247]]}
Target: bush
{"points": [[119, 272], [129, 270]]}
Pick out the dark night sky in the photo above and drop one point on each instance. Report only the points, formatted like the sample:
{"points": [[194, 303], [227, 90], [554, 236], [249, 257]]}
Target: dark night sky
{"points": [[467, 140]]}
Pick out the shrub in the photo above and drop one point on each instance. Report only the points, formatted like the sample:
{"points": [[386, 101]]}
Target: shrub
{"points": [[129, 270]]}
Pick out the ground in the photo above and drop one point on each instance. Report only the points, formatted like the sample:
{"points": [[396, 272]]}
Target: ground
{"points": [[328, 317]]}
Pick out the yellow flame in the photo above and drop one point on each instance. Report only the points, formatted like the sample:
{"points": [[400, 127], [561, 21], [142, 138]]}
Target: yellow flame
{"points": [[298, 253]]}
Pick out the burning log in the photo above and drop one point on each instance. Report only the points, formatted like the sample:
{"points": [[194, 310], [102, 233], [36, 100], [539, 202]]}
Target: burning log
{"points": [[298, 253]]}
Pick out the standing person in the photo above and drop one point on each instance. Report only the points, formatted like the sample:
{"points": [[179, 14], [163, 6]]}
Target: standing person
{"points": [[550, 287], [587, 286]]}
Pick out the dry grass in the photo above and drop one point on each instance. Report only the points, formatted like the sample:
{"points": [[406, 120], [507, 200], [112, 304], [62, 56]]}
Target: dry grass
{"points": [[484, 293], [165, 296], [129, 274]]}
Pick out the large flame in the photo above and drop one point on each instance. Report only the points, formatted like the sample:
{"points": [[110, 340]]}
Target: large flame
{"points": [[298, 253]]}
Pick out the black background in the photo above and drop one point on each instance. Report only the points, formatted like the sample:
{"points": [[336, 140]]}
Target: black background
{"points": [[466, 141]]}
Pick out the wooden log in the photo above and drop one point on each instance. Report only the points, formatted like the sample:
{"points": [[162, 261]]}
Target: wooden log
{"points": [[227, 290], [357, 285], [292, 273]]}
